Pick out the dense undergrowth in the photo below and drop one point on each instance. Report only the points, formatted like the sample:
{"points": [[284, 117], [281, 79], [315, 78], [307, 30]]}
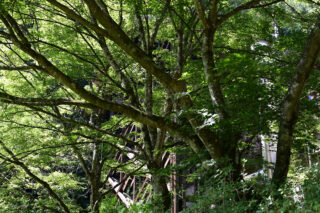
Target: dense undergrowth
{"points": [[217, 195]]}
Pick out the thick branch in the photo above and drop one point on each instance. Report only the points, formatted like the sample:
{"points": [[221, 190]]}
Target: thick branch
{"points": [[20, 68], [213, 11], [201, 13], [4, 97], [113, 32]]}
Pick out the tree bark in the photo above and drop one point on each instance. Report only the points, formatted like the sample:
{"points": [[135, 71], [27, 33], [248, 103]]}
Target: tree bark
{"points": [[289, 112], [211, 74], [95, 179], [222, 147], [161, 193]]}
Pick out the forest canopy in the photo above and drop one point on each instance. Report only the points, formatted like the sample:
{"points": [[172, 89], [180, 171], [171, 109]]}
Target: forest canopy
{"points": [[159, 105]]}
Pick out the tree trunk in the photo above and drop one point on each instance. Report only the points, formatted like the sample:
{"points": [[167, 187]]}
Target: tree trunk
{"points": [[95, 179], [94, 198], [227, 143], [231, 158], [289, 113], [211, 74], [161, 193]]}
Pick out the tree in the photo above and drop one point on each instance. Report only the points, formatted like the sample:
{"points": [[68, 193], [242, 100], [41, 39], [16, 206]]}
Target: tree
{"points": [[143, 61], [289, 114]]}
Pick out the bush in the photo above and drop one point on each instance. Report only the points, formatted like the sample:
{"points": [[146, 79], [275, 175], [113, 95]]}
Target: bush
{"points": [[258, 195]]}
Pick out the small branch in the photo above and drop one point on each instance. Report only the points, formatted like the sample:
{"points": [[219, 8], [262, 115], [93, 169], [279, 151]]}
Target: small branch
{"points": [[248, 5], [35, 178]]}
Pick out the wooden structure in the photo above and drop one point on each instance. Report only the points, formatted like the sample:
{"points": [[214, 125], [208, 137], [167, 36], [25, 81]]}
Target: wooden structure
{"points": [[131, 189]]}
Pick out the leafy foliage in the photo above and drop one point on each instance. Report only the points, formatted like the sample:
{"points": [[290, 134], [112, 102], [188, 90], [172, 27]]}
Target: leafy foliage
{"points": [[93, 90]]}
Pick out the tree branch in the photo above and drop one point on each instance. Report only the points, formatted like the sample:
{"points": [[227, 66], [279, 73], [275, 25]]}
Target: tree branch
{"points": [[116, 34], [248, 5], [37, 179], [201, 13]]}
